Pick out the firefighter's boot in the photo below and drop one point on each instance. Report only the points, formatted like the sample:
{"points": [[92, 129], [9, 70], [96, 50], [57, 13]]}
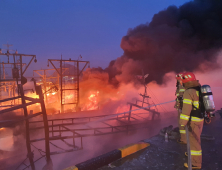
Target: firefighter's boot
{"points": [[181, 142], [193, 167]]}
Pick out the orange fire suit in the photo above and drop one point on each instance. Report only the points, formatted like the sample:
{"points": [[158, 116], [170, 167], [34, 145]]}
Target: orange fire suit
{"points": [[191, 115], [179, 93]]}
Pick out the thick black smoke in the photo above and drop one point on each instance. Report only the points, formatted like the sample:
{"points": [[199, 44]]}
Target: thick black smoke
{"points": [[177, 39]]}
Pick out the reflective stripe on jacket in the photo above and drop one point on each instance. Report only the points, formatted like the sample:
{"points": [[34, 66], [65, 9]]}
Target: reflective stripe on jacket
{"points": [[190, 102]]}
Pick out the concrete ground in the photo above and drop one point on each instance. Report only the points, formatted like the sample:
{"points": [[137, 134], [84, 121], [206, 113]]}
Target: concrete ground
{"points": [[161, 155]]}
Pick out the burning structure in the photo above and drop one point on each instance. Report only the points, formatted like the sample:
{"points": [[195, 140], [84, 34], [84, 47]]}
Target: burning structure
{"points": [[60, 129], [62, 82], [177, 39]]}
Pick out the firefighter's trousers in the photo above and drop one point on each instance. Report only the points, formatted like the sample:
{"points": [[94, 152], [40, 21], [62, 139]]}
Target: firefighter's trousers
{"points": [[195, 141], [181, 128]]}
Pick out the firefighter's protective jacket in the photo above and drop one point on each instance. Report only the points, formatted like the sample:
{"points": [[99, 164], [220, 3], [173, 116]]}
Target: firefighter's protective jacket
{"points": [[190, 110]]}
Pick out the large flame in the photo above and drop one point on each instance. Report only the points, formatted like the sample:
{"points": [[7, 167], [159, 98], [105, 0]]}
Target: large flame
{"points": [[95, 93], [92, 103], [93, 96]]}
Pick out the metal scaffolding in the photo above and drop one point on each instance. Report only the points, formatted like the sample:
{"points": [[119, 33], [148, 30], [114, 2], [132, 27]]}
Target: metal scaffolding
{"points": [[9, 81], [26, 118], [69, 80], [67, 130]]}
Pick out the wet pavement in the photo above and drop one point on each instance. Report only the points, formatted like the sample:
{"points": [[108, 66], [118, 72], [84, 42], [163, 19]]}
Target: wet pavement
{"points": [[161, 155]]}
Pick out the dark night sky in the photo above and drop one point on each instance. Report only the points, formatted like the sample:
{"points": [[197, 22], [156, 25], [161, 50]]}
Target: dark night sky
{"points": [[92, 28]]}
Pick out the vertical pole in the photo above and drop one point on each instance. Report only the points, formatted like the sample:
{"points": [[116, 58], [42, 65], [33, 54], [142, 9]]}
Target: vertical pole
{"points": [[21, 67], [30, 154], [143, 99], [3, 68], [81, 142], [46, 127], [44, 83], [74, 145], [77, 105], [188, 149], [9, 90], [14, 82], [14, 92], [0, 81], [130, 112], [61, 90], [20, 59], [0, 70], [58, 87], [144, 86]]}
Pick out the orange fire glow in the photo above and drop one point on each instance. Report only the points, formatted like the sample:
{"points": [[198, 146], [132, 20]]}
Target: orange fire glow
{"points": [[92, 103], [95, 93]]}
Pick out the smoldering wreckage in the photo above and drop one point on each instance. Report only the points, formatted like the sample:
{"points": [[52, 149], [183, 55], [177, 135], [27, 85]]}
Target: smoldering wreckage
{"points": [[49, 112]]}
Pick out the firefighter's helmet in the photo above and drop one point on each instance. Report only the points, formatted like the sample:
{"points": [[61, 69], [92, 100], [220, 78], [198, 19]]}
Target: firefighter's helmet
{"points": [[188, 76], [179, 76]]}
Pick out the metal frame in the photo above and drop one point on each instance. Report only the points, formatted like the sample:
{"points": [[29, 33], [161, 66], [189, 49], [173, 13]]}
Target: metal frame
{"points": [[20, 55], [10, 83], [26, 118], [60, 126], [24, 105], [76, 74], [144, 96]]}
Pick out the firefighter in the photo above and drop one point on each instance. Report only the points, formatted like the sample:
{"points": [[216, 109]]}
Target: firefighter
{"points": [[192, 117], [179, 101]]}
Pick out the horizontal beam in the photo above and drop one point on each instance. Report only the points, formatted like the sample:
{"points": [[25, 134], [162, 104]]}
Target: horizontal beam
{"points": [[104, 128], [9, 80], [16, 107], [66, 124], [68, 89], [45, 69], [87, 135], [13, 64], [32, 99], [68, 103], [9, 54], [6, 105], [8, 99], [69, 60], [76, 118]]}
